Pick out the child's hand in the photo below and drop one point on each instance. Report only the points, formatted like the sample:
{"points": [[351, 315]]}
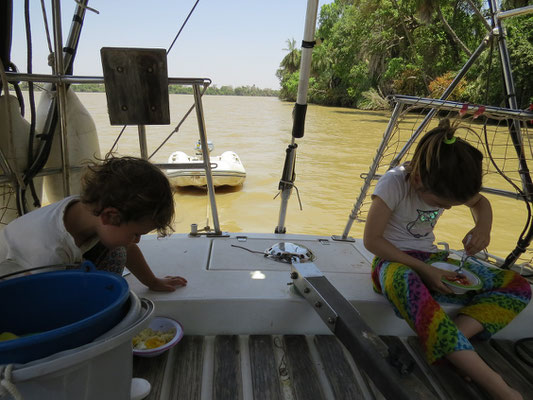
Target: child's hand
{"points": [[432, 277], [479, 240], [167, 284]]}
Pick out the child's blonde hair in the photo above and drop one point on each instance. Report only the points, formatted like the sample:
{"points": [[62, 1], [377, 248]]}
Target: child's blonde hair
{"points": [[135, 187], [446, 165]]}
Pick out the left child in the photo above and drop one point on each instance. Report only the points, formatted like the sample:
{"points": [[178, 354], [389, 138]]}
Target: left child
{"points": [[122, 199]]}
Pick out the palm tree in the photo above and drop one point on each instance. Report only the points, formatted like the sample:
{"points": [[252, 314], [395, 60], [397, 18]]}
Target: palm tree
{"points": [[291, 62]]}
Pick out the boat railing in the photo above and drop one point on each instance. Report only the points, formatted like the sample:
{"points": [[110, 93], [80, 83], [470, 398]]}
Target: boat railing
{"points": [[491, 113], [199, 85], [69, 79]]}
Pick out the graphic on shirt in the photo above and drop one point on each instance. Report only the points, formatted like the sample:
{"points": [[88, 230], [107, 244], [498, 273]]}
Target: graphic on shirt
{"points": [[424, 223]]}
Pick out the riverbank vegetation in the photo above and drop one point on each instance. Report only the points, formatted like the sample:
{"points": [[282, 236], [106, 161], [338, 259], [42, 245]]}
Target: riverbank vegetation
{"points": [[178, 89], [373, 48]]}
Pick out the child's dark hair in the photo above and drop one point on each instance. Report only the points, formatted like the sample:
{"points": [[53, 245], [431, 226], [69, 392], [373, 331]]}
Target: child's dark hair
{"points": [[136, 187], [448, 166]]}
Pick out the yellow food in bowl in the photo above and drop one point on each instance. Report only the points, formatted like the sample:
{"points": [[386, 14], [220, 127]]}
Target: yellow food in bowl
{"points": [[151, 339], [7, 336]]}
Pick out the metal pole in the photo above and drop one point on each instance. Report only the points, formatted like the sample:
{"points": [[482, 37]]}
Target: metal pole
{"points": [[515, 132], [517, 11], [142, 141], [68, 79], [74, 34], [205, 154], [372, 172], [61, 91], [300, 109], [514, 128]]}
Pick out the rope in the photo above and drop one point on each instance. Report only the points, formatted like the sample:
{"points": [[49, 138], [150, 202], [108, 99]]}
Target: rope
{"points": [[6, 386], [10, 145], [297, 192]]}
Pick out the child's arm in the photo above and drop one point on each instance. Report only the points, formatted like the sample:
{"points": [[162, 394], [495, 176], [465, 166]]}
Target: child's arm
{"points": [[138, 266], [377, 219], [482, 214]]}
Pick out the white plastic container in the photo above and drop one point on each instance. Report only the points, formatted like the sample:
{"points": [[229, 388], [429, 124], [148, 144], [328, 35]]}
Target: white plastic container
{"points": [[100, 370]]}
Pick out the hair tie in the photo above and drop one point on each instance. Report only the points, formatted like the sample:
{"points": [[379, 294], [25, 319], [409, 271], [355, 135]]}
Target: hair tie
{"points": [[449, 141]]}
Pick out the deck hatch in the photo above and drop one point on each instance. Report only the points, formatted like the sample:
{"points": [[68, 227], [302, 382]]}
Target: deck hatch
{"points": [[233, 254]]}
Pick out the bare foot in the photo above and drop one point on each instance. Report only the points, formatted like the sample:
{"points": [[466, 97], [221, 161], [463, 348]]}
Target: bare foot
{"points": [[510, 395], [505, 392]]}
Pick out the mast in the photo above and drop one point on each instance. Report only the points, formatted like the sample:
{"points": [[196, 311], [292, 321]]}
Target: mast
{"points": [[300, 108]]}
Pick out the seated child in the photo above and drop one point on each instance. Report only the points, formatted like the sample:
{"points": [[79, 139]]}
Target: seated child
{"points": [[407, 202], [122, 199]]}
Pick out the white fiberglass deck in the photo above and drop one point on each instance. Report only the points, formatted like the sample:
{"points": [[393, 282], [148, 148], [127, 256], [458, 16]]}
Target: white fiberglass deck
{"points": [[232, 290]]}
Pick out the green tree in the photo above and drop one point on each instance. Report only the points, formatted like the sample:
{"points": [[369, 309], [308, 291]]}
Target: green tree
{"points": [[291, 62]]}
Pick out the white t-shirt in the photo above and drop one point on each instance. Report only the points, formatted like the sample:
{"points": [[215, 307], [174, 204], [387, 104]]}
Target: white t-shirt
{"points": [[412, 221], [40, 238]]}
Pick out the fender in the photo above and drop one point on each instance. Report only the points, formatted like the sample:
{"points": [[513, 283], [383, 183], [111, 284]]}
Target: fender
{"points": [[20, 137], [82, 142]]}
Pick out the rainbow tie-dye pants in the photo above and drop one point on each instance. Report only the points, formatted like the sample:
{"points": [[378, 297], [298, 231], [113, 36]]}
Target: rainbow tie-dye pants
{"points": [[503, 295]]}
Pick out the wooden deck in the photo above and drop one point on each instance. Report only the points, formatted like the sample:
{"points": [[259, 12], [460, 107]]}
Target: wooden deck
{"points": [[284, 367]]}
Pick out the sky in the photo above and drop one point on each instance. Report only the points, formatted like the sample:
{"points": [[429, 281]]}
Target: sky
{"points": [[232, 42]]}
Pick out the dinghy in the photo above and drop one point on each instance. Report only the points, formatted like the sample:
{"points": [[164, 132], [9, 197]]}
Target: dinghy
{"points": [[227, 168]]}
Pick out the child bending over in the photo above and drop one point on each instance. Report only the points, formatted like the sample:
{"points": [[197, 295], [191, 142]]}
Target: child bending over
{"points": [[122, 199], [407, 202]]}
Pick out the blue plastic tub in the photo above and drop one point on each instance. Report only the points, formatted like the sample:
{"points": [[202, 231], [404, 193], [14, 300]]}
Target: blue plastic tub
{"points": [[58, 310]]}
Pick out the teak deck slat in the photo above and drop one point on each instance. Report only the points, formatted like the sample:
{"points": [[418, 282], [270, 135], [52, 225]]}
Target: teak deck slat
{"points": [[301, 369], [153, 370], [450, 382], [502, 366], [185, 376], [340, 375], [265, 377], [506, 349], [184, 363], [227, 379]]}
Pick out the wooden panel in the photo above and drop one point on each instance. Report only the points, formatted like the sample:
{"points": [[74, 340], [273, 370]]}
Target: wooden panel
{"points": [[185, 374], [227, 380], [136, 82], [265, 377], [499, 364], [152, 369], [301, 368], [506, 349], [450, 382], [340, 375]]}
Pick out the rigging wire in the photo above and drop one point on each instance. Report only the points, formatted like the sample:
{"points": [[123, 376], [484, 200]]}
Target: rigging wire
{"points": [[118, 138], [177, 126], [192, 107], [182, 26], [46, 28]]}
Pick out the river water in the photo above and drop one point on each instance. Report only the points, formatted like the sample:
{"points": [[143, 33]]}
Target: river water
{"points": [[339, 144]]}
